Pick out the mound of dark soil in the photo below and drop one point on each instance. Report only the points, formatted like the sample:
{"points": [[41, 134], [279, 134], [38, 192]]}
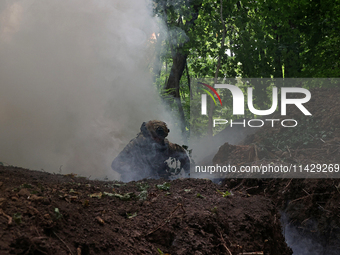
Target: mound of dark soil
{"points": [[311, 206], [42, 213]]}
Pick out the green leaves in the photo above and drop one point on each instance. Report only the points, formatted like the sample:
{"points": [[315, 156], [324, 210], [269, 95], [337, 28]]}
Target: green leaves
{"points": [[264, 39], [143, 186], [125, 197], [164, 186], [143, 195], [198, 195], [224, 194]]}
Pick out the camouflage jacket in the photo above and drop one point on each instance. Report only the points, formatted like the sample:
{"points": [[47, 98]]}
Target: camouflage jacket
{"points": [[142, 158]]}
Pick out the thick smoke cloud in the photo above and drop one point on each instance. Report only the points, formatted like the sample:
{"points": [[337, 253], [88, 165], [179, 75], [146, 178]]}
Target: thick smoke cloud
{"points": [[74, 82]]}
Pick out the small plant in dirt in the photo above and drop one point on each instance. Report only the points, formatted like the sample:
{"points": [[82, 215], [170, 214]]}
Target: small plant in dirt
{"points": [[142, 186], [26, 186], [143, 195], [224, 194], [125, 197], [164, 186], [71, 175], [99, 195], [17, 218], [57, 214], [86, 203], [214, 210], [131, 215], [161, 253], [199, 195]]}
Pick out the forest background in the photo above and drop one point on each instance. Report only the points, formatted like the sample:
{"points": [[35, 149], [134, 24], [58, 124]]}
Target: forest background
{"points": [[246, 39]]}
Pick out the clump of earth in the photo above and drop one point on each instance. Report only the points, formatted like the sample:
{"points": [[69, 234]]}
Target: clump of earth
{"points": [[44, 213]]}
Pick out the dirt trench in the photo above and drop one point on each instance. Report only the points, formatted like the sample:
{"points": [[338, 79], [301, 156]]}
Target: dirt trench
{"points": [[44, 213]]}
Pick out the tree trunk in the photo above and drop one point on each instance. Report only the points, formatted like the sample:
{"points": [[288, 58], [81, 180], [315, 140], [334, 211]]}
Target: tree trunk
{"points": [[179, 58], [211, 105], [172, 85]]}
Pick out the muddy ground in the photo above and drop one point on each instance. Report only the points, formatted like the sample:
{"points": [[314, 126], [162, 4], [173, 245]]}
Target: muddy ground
{"points": [[310, 205], [43, 213]]}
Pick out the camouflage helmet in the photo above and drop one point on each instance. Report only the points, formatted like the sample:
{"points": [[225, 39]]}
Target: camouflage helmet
{"points": [[155, 128]]}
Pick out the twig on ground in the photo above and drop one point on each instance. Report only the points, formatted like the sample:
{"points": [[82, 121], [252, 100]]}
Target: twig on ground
{"points": [[289, 151], [306, 192], [224, 243], [236, 187], [337, 187], [7, 216], [254, 187], [334, 151], [323, 208], [252, 253], [288, 183], [63, 242], [299, 199], [168, 219]]}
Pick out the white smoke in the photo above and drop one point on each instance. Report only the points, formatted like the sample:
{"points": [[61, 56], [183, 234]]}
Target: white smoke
{"points": [[307, 239], [74, 82]]}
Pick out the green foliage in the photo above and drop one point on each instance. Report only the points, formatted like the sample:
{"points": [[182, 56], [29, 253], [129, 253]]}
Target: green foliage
{"points": [[224, 194], [126, 196], [214, 210], [143, 195], [142, 186], [164, 186], [304, 135], [100, 194], [198, 195], [264, 39]]}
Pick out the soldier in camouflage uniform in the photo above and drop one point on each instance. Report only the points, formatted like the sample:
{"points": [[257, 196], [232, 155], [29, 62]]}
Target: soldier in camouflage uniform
{"points": [[149, 155]]}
